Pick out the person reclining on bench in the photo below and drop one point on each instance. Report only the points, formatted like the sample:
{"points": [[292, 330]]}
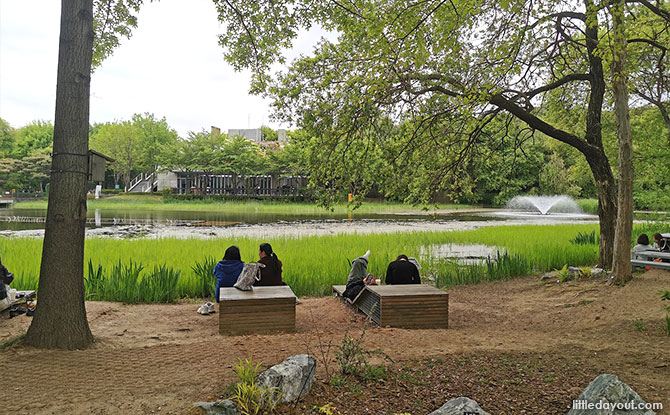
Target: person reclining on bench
{"points": [[402, 271], [358, 277]]}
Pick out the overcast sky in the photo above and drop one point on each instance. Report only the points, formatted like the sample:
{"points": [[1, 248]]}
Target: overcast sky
{"points": [[172, 67]]}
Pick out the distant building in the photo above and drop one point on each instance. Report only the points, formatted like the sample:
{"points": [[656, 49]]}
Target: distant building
{"points": [[253, 134], [256, 134]]}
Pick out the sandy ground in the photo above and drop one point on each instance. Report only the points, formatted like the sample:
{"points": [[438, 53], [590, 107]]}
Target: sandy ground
{"points": [[303, 228], [162, 358]]}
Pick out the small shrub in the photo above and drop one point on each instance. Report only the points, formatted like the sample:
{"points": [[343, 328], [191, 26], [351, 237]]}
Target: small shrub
{"points": [[203, 272], [94, 282], [338, 381], [251, 398], [352, 358], [327, 409], [374, 373], [564, 274]]}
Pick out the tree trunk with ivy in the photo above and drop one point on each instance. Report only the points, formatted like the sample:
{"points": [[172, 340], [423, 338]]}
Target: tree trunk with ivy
{"points": [[621, 269]]}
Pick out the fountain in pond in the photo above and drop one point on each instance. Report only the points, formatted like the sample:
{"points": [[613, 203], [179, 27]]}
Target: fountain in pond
{"points": [[544, 205]]}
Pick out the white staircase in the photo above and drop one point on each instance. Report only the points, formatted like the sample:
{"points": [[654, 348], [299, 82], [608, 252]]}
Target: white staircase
{"points": [[143, 183]]}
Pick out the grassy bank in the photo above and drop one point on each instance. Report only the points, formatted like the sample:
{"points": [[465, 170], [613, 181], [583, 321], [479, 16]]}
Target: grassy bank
{"points": [[158, 203], [311, 264]]}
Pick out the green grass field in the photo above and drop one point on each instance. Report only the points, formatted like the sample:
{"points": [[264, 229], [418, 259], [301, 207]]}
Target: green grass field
{"points": [[311, 264]]}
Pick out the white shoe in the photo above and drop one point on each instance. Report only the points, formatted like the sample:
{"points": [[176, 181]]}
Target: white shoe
{"points": [[203, 309], [210, 308]]}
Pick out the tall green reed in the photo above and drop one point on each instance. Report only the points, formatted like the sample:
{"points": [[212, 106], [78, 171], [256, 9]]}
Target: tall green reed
{"points": [[311, 264]]}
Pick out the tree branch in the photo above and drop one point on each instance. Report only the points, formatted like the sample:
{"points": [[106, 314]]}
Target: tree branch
{"points": [[649, 42], [538, 124], [560, 82], [654, 9]]}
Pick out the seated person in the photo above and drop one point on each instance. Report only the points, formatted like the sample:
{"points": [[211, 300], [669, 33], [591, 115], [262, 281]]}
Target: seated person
{"points": [[271, 274], [357, 277], [657, 241], [402, 271], [642, 245], [6, 278], [228, 269]]}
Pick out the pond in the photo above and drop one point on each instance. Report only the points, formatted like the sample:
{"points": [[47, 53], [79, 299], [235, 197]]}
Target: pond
{"points": [[464, 254], [16, 219], [183, 224]]}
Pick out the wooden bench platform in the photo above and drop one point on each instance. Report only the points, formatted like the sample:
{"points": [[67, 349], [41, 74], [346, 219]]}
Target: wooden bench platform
{"points": [[260, 311], [407, 306]]}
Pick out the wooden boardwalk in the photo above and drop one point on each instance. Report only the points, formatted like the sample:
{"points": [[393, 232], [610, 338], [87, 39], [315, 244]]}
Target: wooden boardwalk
{"points": [[407, 306], [262, 310]]}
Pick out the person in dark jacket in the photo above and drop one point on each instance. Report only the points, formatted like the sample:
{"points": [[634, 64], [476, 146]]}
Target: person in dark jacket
{"points": [[402, 271], [6, 278], [228, 269], [271, 274]]}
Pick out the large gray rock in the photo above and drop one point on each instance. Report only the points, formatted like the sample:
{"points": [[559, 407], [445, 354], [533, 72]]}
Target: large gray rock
{"points": [[220, 407], [293, 377], [606, 392], [460, 406]]}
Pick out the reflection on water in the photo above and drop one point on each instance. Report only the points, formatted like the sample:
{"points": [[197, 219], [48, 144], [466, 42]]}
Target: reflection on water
{"points": [[466, 254], [21, 219], [539, 216]]}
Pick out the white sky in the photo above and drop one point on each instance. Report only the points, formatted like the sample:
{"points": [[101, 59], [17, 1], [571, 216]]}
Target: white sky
{"points": [[172, 67]]}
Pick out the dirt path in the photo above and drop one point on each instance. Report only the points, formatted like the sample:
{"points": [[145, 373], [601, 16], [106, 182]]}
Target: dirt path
{"points": [[162, 358]]}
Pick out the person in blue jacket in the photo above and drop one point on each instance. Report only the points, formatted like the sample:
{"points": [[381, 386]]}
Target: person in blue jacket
{"points": [[228, 269]]}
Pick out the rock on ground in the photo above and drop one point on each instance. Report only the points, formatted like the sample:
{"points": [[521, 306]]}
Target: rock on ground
{"points": [[608, 389], [220, 407], [460, 406], [293, 377]]}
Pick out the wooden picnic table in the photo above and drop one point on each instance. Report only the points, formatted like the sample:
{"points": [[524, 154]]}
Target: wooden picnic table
{"points": [[653, 254], [407, 306], [261, 310], [649, 259]]}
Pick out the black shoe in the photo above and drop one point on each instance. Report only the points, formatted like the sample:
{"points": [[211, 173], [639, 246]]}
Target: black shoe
{"points": [[14, 313]]}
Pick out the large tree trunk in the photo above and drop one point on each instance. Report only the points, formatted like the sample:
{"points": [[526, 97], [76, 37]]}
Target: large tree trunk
{"points": [[60, 319], [607, 206], [621, 270]]}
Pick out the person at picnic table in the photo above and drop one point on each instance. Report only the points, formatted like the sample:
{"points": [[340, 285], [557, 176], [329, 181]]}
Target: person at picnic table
{"points": [[642, 245], [657, 241], [228, 269], [402, 271], [358, 277], [6, 278], [271, 274]]}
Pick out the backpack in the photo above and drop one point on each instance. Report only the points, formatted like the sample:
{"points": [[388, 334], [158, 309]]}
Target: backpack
{"points": [[249, 275], [6, 277], [664, 245]]}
